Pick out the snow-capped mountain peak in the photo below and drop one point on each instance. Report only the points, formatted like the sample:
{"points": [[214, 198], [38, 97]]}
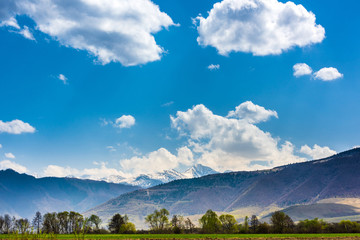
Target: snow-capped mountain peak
{"points": [[150, 180], [198, 170]]}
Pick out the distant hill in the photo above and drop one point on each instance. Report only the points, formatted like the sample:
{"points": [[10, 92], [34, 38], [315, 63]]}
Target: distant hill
{"points": [[301, 183], [319, 210], [23, 195]]}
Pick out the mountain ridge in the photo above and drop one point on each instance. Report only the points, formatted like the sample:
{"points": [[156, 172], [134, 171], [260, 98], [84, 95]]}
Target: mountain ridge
{"points": [[151, 180], [299, 183], [23, 195]]}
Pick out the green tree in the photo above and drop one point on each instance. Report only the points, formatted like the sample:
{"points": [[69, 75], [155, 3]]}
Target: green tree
{"points": [[228, 223], [37, 222], [76, 222], [7, 224], [63, 218], [210, 222], [177, 223], [263, 228], [189, 226], [116, 222], [311, 226], [50, 223], [281, 222], [246, 224], [22, 225], [254, 223], [158, 221], [127, 228], [95, 220]]}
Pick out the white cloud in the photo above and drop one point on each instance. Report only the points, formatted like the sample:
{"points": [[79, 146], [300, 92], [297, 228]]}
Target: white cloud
{"points": [[214, 67], [301, 69], [63, 78], [260, 27], [57, 171], [98, 173], [125, 121], [0, 146], [157, 161], [7, 164], [9, 155], [233, 143], [26, 33], [11, 22], [252, 113], [111, 30], [16, 127], [317, 152], [328, 74]]}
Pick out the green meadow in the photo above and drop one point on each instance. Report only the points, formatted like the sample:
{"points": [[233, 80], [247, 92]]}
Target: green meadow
{"points": [[184, 236]]}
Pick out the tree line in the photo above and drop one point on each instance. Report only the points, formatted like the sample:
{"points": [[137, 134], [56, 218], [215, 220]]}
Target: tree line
{"points": [[56, 223], [160, 222], [210, 222]]}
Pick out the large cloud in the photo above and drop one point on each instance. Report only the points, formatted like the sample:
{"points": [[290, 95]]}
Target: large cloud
{"points": [[261, 27], [317, 152], [16, 127], [157, 161], [233, 143], [7, 164], [112, 30]]}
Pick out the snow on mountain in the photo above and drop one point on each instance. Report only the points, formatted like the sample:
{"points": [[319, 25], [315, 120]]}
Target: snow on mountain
{"points": [[150, 180], [198, 171]]}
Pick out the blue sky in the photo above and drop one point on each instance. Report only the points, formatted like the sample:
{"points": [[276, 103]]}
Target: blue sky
{"points": [[75, 120]]}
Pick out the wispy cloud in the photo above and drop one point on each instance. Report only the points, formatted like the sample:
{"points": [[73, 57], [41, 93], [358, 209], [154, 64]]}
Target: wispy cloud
{"points": [[63, 78], [214, 67]]}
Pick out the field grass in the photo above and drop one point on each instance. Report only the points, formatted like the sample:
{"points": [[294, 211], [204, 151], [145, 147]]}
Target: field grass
{"points": [[193, 236]]}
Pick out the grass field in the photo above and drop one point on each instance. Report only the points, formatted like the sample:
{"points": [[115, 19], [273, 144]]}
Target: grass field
{"points": [[195, 236]]}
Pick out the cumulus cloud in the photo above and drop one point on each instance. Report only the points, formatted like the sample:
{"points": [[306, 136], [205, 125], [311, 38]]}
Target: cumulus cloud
{"points": [[214, 67], [7, 164], [301, 69], [9, 155], [252, 113], [0, 146], [125, 121], [97, 173], [63, 78], [260, 27], [111, 30], [233, 143], [328, 74], [157, 161], [16, 127], [317, 152]]}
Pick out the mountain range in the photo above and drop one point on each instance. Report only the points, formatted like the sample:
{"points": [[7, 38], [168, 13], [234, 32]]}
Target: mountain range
{"points": [[150, 180], [245, 193], [23, 195]]}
